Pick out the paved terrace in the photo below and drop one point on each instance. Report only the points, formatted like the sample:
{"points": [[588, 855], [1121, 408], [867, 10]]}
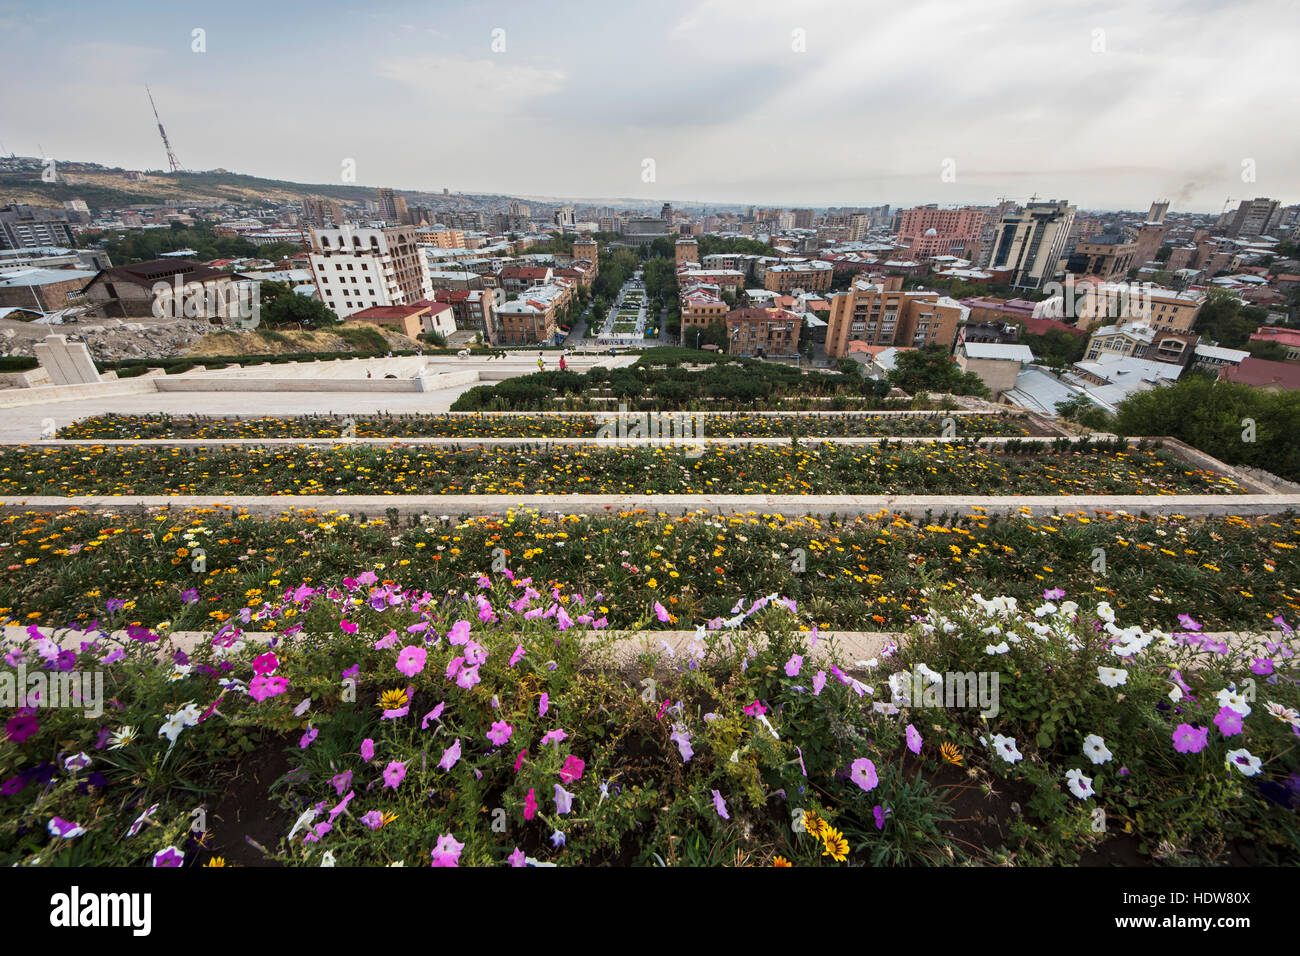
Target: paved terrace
{"points": [[338, 387]]}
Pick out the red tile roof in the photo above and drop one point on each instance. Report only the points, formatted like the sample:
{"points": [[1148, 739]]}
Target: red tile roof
{"points": [[1261, 373]]}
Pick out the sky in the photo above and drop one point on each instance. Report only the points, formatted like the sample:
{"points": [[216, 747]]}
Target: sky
{"points": [[1109, 105]]}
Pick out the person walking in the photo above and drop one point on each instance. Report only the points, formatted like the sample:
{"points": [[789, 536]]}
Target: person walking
{"points": [[541, 363], [563, 365]]}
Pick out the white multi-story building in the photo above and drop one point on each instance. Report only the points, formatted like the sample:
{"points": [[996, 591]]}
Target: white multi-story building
{"points": [[357, 268]]}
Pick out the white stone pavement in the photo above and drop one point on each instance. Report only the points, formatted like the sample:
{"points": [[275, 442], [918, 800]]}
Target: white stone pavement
{"points": [[845, 506]]}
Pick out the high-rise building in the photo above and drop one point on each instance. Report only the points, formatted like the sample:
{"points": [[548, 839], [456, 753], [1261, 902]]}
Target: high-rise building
{"points": [[321, 212], [1256, 217], [28, 227], [358, 268], [1031, 243], [392, 208], [565, 216]]}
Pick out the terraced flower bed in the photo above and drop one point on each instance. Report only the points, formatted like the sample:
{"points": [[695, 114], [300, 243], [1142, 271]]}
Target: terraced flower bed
{"points": [[738, 425], [201, 567], [928, 468], [399, 727]]}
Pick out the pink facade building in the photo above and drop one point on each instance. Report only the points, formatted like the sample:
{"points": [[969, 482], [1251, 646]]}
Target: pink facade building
{"points": [[931, 231]]}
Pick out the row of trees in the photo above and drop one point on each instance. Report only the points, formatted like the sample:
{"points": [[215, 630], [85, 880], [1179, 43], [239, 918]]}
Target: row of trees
{"points": [[141, 245]]}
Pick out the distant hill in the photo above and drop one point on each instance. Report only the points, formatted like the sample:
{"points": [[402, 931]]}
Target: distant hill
{"points": [[107, 188], [102, 187]]}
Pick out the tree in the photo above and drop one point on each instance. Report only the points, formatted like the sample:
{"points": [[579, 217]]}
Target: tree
{"points": [[1235, 423], [932, 369], [1083, 411], [298, 310]]}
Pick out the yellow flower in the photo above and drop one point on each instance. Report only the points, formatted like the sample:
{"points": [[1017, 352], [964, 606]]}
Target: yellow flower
{"points": [[393, 699], [834, 845], [781, 861], [216, 861], [950, 753], [814, 824]]}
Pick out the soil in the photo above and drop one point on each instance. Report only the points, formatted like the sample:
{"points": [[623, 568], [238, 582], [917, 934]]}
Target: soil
{"points": [[244, 812]]}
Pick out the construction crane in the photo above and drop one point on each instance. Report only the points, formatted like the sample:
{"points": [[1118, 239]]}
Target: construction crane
{"points": [[171, 157]]}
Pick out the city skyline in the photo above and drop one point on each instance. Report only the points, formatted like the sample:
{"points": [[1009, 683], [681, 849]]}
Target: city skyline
{"points": [[734, 103]]}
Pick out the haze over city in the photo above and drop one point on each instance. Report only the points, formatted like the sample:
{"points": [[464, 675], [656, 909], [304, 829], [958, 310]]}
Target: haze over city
{"points": [[735, 101]]}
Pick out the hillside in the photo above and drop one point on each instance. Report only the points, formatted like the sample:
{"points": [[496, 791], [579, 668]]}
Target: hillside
{"points": [[104, 187]]}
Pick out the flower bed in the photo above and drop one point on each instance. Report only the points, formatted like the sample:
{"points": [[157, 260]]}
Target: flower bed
{"points": [[855, 574], [393, 727], [737, 425], [926, 468]]}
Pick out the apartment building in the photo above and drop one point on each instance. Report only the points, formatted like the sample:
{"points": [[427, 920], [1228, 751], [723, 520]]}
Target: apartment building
{"points": [[811, 275], [359, 268], [687, 251], [1104, 256], [441, 237], [473, 310], [1255, 217], [928, 231], [763, 333], [700, 309], [881, 313], [533, 317]]}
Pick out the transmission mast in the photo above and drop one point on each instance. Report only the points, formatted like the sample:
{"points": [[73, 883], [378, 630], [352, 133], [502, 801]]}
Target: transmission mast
{"points": [[171, 157]]}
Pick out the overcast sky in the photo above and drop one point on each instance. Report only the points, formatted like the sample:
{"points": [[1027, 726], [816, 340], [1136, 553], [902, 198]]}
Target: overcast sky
{"points": [[773, 102]]}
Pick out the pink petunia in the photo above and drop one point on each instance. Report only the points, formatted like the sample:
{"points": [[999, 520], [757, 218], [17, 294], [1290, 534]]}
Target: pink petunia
{"points": [[530, 804], [1189, 739], [432, 715], [553, 736], [914, 740], [517, 858], [1228, 721], [819, 682], [450, 756], [459, 633], [341, 781], [266, 663], [544, 704], [519, 761], [863, 773], [661, 613], [411, 660], [517, 656], [447, 852], [306, 740], [263, 687], [793, 665], [720, 805], [394, 774], [756, 709], [367, 750], [572, 769], [500, 732]]}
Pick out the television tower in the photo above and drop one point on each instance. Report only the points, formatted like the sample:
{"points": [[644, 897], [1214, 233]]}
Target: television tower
{"points": [[171, 157]]}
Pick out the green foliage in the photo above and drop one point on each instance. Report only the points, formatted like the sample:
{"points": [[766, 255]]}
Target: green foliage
{"points": [[141, 245], [1056, 348], [1212, 415], [932, 369]]}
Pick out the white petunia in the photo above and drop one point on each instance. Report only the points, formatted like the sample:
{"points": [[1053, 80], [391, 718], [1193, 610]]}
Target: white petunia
{"points": [[1233, 699], [1244, 761], [1005, 747], [1094, 748], [1080, 785], [1112, 676]]}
